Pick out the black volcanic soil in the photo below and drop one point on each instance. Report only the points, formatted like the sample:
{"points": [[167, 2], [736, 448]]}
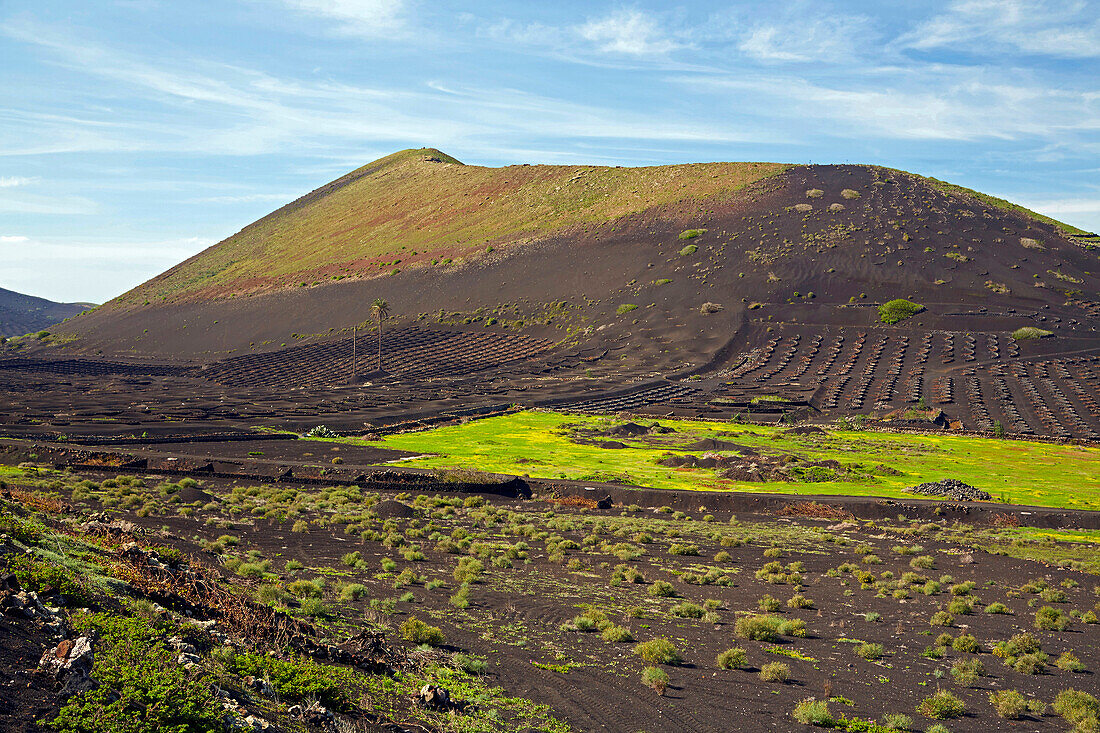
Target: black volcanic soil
{"points": [[516, 613]]}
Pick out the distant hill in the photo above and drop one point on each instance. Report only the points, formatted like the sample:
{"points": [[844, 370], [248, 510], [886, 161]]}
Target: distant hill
{"points": [[666, 258], [20, 314]]}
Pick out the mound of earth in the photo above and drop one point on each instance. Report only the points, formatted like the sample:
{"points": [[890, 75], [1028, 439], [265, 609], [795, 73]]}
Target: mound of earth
{"points": [[738, 468], [392, 509], [951, 488], [712, 444], [630, 429], [483, 314]]}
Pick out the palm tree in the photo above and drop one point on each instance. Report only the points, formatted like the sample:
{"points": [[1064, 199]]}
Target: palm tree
{"points": [[381, 309]]}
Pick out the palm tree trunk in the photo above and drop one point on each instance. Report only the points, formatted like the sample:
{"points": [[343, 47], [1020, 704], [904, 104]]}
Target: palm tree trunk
{"points": [[379, 342]]}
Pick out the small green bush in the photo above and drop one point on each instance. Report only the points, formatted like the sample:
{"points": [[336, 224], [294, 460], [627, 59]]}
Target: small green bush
{"points": [[1030, 332], [967, 643], [691, 233], [655, 678], [941, 618], [813, 712], [898, 310], [775, 672], [941, 705], [870, 652], [967, 671], [617, 634], [1069, 662], [897, 721], [626, 308], [659, 651], [297, 678], [683, 549], [1009, 704], [687, 609], [997, 607], [688, 250], [732, 658], [416, 631], [1079, 708], [662, 589], [1049, 618]]}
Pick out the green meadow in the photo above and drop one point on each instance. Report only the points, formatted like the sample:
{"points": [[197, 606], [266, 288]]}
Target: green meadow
{"points": [[539, 444]]}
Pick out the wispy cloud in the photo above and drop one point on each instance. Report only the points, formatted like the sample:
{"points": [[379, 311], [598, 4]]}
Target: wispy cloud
{"points": [[628, 31], [944, 103], [13, 239], [1061, 28], [802, 34], [14, 181], [359, 17]]}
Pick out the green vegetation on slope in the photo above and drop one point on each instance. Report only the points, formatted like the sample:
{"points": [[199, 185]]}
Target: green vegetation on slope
{"points": [[422, 207], [951, 188], [538, 444]]}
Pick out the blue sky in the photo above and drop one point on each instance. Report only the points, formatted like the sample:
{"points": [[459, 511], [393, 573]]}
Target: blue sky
{"points": [[134, 133]]}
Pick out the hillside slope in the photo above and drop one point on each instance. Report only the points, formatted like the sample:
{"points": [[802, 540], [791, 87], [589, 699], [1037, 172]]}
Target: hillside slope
{"points": [[20, 314]]}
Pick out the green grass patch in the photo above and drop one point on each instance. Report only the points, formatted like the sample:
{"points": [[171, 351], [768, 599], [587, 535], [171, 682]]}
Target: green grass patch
{"points": [[1013, 471]]}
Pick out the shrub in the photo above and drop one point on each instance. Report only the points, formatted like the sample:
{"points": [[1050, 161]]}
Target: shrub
{"points": [[1034, 663], [1079, 708], [1030, 332], [300, 526], [313, 607], [683, 549], [688, 250], [416, 631], [897, 721], [691, 233], [997, 607], [758, 628], [626, 308], [937, 728], [768, 603], [870, 652], [775, 672], [941, 705], [471, 665], [353, 592], [1019, 644], [461, 597], [898, 310], [298, 678], [1009, 704], [732, 658], [1069, 662], [967, 671], [687, 609], [966, 643], [800, 601], [141, 688], [1048, 618], [813, 712], [662, 589], [923, 562], [468, 570], [658, 651], [617, 634], [655, 678]]}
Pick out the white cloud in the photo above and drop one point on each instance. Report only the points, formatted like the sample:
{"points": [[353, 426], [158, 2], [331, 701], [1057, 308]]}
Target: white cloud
{"points": [[359, 17], [13, 239], [630, 32], [943, 103], [798, 37], [1061, 28], [13, 181]]}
